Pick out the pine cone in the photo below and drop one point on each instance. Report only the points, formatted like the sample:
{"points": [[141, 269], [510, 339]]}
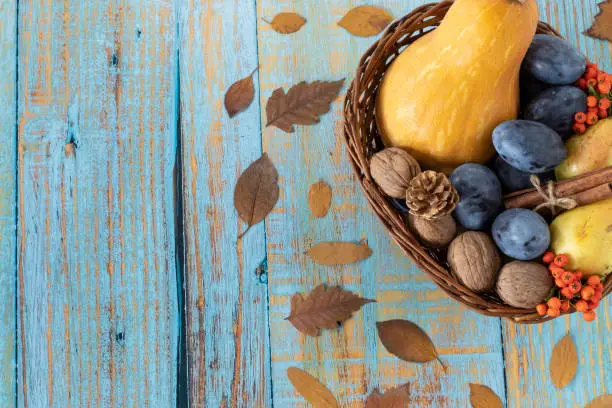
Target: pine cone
{"points": [[431, 195]]}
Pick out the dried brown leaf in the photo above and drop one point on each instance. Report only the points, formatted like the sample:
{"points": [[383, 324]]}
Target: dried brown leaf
{"points": [[338, 253], [256, 191], [564, 362], [602, 27], [311, 389], [365, 21], [605, 401], [319, 198], [407, 341], [287, 23], [240, 95], [323, 308], [482, 396], [398, 397], [302, 104]]}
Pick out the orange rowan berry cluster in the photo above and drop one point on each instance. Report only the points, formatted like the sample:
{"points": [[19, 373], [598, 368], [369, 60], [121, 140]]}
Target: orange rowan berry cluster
{"points": [[572, 290], [598, 84]]}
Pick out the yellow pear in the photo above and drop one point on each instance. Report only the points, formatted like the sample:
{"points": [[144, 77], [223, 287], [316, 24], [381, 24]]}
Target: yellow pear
{"points": [[587, 152], [444, 94], [585, 235]]}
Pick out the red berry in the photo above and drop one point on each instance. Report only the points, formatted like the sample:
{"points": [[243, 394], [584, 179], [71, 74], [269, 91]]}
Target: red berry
{"points": [[582, 306], [594, 304], [578, 275], [579, 128], [601, 77], [598, 288], [550, 256], [589, 316], [553, 312], [593, 280], [575, 287], [592, 65], [567, 277], [565, 305], [582, 84], [605, 87], [592, 110], [542, 309], [590, 73], [603, 114], [592, 83], [567, 293], [591, 101], [587, 292], [561, 260], [554, 303], [592, 118], [604, 103], [580, 117]]}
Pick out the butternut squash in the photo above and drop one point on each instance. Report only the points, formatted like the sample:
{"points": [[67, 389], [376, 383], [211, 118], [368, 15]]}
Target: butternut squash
{"points": [[442, 97]]}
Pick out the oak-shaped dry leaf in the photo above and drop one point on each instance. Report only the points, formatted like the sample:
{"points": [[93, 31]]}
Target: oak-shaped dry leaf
{"points": [[564, 362], [339, 253], [482, 396], [604, 401], [323, 308], [365, 21], [287, 23], [302, 104], [256, 192], [311, 389], [407, 341], [398, 397], [319, 198], [602, 27], [240, 95]]}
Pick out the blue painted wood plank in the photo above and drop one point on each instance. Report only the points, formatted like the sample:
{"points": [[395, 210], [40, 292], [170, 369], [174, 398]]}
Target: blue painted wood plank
{"points": [[351, 361], [8, 171], [528, 349], [226, 303], [97, 306]]}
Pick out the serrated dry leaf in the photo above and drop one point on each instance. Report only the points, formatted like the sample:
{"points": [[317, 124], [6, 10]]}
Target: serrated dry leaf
{"points": [[398, 397], [564, 362], [311, 389], [319, 198], [323, 308], [602, 27], [302, 104], [605, 401], [407, 341], [287, 23], [339, 253], [365, 21], [482, 396], [240, 95], [256, 191]]}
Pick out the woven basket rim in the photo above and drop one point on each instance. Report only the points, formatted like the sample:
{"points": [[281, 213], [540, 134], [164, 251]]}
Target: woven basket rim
{"points": [[361, 138]]}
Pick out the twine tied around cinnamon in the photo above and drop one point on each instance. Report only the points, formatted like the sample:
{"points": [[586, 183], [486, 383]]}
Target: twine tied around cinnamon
{"points": [[550, 199]]}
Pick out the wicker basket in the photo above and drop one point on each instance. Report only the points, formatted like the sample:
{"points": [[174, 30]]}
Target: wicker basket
{"points": [[362, 139]]}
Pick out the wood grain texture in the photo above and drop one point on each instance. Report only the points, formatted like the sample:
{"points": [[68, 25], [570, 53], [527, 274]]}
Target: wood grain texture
{"points": [[226, 302], [351, 361], [8, 239], [97, 302], [528, 348]]}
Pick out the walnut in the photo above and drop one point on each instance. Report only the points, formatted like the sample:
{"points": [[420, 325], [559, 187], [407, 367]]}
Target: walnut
{"points": [[524, 284], [392, 169], [434, 233], [475, 260]]}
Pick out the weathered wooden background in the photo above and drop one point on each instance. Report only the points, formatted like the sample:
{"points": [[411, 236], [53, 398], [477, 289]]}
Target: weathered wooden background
{"points": [[117, 168]]}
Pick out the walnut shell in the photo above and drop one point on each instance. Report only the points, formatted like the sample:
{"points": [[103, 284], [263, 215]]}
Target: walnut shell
{"points": [[524, 284], [435, 233], [475, 260], [392, 169]]}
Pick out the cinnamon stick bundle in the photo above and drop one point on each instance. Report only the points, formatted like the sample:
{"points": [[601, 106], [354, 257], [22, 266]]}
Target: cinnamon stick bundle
{"points": [[585, 189]]}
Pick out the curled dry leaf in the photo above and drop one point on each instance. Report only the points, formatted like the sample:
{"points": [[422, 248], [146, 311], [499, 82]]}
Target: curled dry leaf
{"points": [[398, 397], [311, 389], [407, 341], [338, 253], [240, 95], [319, 198], [302, 104], [564, 362], [602, 27], [323, 309], [287, 23], [482, 396], [605, 401], [365, 21], [256, 192]]}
